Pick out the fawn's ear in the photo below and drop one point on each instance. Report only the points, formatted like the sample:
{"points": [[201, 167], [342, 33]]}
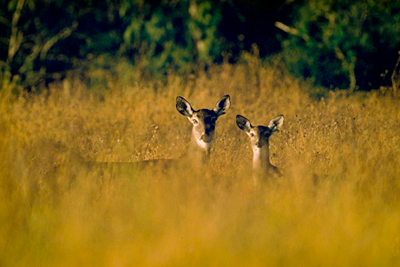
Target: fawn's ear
{"points": [[222, 106], [184, 107], [276, 123], [243, 123]]}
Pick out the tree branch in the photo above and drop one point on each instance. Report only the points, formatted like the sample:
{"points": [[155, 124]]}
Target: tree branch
{"points": [[16, 35], [64, 33], [5, 21], [349, 66], [292, 31], [396, 77]]}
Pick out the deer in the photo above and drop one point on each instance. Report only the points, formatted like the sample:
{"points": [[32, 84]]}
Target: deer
{"points": [[203, 121], [202, 137], [259, 139]]}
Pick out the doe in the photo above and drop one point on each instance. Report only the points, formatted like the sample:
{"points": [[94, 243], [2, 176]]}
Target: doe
{"points": [[259, 137], [203, 121]]}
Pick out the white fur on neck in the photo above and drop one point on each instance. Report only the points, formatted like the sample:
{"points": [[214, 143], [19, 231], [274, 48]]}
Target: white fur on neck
{"points": [[203, 145], [199, 143], [261, 162], [200, 149]]}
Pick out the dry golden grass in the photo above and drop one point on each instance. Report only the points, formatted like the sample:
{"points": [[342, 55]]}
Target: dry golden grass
{"points": [[337, 203]]}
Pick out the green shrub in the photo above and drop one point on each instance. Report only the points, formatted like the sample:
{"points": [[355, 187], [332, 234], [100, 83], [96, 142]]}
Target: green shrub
{"points": [[170, 34], [343, 44]]}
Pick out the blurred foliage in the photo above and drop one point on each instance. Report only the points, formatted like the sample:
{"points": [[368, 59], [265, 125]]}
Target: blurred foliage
{"points": [[41, 39], [343, 44], [162, 34], [338, 44]]}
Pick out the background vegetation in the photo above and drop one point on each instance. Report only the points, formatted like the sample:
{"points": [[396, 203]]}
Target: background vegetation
{"points": [[338, 44], [96, 82], [343, 44]]}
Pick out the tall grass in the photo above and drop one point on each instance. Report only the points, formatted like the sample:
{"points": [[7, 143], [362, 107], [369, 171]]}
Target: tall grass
{"points": [[337, 203]]}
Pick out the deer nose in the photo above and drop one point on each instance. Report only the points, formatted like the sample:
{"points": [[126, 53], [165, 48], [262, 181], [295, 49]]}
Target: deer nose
{"points": [[208, 129], [259, 144]]}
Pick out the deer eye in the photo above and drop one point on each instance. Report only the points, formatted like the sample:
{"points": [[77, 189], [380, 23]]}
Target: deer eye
{"points": [[195, 121], [251, 134]]}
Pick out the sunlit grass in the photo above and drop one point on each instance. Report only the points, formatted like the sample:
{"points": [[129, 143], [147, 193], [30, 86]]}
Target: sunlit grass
{"points": [[337, 203]]}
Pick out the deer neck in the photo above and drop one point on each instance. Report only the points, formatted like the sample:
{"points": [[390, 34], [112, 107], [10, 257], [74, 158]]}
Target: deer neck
{"points": [[261, 163], [199, 149]]}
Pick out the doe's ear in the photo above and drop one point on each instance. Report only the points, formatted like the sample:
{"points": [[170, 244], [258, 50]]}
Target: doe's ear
{"points": [[222, 106], [184, 107], [276, 123], [243, 123]]}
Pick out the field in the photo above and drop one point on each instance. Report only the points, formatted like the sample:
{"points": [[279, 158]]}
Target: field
{"points": [[337, 203]]}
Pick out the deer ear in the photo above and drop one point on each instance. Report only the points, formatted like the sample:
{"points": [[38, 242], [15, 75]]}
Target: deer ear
{"points": [[222, 106], [276, 123], [184, 107], [243, 123]]}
